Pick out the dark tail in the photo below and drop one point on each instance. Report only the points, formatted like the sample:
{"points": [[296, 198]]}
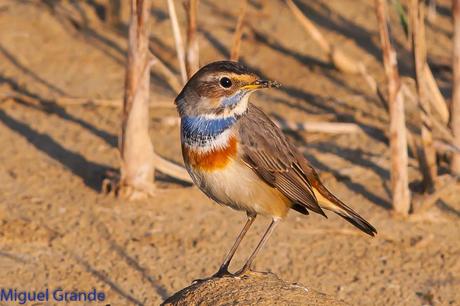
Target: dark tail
{"points": [[332, 203], [351, 216]]}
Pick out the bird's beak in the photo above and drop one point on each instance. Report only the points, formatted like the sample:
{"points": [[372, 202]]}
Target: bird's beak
{"points": [[258, 84]]}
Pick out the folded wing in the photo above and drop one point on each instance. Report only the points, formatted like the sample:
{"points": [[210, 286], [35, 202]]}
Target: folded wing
{"points": [[267, 151]]}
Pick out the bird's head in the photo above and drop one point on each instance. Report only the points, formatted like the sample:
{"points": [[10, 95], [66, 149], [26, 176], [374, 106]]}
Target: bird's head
{"points": [[219, 89]]}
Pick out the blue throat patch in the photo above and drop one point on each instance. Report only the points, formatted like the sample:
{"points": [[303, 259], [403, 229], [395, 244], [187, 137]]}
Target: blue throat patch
{"points": [[200, 130]]}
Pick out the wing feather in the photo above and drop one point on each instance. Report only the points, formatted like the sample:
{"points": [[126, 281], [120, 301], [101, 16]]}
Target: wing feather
{"points": [[268, 152]]}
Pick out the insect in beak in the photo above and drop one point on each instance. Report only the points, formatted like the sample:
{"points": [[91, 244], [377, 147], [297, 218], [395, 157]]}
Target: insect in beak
{"points": [[258, 84]]}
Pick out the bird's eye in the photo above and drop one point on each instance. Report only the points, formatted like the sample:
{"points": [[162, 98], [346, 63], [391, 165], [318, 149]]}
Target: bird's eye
{"points": [[225, 82]]}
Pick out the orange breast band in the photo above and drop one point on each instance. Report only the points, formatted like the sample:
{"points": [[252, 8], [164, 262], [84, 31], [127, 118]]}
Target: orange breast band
{"points": [[212, 160]]}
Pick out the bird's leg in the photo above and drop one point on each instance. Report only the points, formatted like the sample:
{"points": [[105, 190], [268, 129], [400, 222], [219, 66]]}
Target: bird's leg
{"points": [[223, 270], [268, 232]]}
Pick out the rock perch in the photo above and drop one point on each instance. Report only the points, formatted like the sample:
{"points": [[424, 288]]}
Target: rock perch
{"points": [[252, 289]]}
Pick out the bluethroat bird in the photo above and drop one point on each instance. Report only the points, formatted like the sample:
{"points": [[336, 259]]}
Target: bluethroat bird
{"points": [[239, 158]]}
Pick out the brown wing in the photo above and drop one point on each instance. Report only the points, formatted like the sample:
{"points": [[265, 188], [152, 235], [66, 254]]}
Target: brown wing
{"points": [[268, 152]]}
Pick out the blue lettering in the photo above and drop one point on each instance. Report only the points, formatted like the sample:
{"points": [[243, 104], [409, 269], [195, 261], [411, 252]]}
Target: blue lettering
{"points": [[61, 295], [41, 296], [22, 297], [74, 296], [4, 296], [92, 295], [101, 296], [57, 295]]}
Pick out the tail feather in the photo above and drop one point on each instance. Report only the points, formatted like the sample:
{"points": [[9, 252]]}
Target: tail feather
{"points": [[356, 220], [330, 202]]}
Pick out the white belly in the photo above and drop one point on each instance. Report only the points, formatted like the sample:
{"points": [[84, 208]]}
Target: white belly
{"points": [[239, 187]]}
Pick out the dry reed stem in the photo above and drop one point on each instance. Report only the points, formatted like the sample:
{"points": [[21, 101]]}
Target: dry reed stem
{"points": [[424, 203], [138, 158], [171, 169], [171, 78], [436, 98], [445, 147], [446, 134], [398, 138], [432, 13], [340, 60], [445, 142], [427, 161], [372, 83], [113, 9], [310, 27], [455, 114], [193, 51], [237, 36], [136, 148], [178, 40]]}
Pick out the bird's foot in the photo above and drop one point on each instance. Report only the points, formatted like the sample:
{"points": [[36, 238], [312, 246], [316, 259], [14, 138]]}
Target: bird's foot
{"points": [[223, 272], [245, 271]]}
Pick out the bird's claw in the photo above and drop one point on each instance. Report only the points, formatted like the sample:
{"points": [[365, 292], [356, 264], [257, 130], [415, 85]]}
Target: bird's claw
{"points": [[223, 272], [243, 272]]}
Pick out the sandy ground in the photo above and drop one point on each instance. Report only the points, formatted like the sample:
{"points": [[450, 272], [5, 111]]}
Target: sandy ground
{"points": [[58, 230]]}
